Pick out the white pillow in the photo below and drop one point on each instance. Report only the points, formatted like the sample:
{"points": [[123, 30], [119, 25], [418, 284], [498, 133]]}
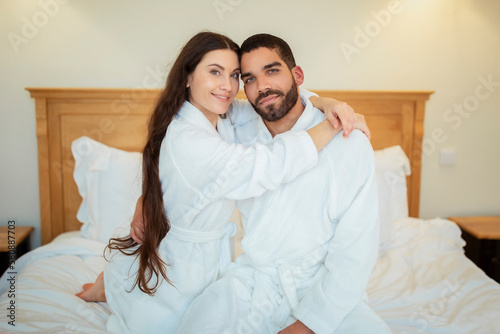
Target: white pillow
{"points": [[391, 168], [109, 181]]}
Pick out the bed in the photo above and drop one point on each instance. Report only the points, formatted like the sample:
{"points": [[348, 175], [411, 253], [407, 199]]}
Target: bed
{"points": [[88, 141]]}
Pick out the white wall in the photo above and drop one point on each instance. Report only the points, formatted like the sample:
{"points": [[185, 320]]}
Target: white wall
{"points": [[446, 46]]}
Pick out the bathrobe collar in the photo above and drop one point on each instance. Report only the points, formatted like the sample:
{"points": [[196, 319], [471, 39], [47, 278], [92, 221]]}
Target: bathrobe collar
{"points": [[193, 115], [309, 118]]}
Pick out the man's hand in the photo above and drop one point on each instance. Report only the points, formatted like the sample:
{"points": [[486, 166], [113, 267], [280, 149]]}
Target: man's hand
{"points": [[137, 225], [296, 328]]}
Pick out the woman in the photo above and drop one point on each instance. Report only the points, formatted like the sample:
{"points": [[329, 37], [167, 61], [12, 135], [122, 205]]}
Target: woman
{"points": [[192, 174]]}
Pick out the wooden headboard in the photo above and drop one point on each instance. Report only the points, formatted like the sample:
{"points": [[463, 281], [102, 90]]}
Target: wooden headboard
{"points": [[118, 118]]}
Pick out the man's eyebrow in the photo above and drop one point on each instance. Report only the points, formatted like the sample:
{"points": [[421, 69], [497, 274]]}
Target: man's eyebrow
{"points": [[275, 64], [244, 75]]}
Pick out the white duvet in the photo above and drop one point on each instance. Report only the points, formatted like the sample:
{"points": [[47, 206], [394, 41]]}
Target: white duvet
{"points": [[422, 283], [45, 285]]}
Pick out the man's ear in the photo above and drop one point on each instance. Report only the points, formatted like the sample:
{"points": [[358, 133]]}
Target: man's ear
{"points": [[298, 75]]}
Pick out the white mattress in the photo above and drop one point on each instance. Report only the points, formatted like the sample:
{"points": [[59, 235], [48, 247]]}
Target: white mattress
{"points": [[422, 283]]}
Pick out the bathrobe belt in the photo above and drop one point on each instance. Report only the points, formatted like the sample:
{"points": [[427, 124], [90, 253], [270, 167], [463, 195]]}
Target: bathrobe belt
{"points": [[286, 276], [196, 236]]}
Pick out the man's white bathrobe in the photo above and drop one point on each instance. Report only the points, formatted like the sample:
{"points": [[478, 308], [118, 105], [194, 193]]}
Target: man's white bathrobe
{"points": [[309, 247], [202, 173]]}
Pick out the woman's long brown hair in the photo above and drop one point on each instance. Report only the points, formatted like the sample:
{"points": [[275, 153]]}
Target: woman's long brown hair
{"points": [[156, 223]]}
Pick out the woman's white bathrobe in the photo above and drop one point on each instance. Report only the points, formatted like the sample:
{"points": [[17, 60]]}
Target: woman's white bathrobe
{"points": [[202, 173], [309, 248]]}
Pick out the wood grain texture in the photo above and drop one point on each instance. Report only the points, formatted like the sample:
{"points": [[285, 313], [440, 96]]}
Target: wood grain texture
{"points": [[16, 235], [482, 227], [118, 118]]}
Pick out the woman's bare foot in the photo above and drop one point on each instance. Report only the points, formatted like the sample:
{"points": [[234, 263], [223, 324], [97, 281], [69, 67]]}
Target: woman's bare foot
{"points": [[94, 292]]}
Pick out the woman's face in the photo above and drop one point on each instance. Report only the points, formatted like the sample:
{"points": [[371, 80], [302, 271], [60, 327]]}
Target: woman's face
{"points": [[214, 83]]}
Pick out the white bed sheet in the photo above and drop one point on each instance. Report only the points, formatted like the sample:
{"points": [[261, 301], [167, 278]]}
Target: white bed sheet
{"points": [[422, 283], [46, 282]]}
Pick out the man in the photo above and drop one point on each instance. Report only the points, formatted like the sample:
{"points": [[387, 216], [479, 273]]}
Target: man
{"points": [[310, 246]]}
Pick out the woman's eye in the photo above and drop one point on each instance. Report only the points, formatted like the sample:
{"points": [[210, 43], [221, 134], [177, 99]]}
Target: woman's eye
{"points": [[215, 72], [235, 75]]}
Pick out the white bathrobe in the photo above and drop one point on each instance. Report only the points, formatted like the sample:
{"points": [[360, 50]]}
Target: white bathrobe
{"points": [[202, 173], [309, 247]]}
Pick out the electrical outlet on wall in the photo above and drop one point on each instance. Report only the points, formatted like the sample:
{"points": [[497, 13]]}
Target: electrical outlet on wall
{"points": [[447, 157]]}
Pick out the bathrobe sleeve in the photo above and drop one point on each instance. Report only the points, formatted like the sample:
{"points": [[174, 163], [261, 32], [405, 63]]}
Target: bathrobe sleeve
{"points": [[352, 252], [215, 168]]}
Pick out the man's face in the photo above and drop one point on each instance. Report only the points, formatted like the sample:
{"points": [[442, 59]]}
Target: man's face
{"points": [[269, 84]]}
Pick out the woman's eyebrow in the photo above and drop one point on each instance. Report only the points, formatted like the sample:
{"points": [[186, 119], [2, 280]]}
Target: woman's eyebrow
{"points": [[217, 65], [237, 69]]}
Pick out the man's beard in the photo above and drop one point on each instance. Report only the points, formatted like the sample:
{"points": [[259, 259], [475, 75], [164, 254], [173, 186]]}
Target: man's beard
{"points": [[272, 113]]}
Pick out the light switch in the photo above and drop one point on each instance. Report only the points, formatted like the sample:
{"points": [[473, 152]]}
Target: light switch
{"points": [[447, 157]]}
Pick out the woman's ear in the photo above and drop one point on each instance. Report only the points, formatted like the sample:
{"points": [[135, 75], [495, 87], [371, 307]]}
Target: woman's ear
{"points": [[298, 75]]}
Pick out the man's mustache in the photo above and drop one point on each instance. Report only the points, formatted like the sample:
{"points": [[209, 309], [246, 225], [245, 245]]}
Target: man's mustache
{"points": [[267, 93]]}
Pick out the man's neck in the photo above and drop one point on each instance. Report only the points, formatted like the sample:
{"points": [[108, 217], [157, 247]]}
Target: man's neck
{"points": [[288, 121]]}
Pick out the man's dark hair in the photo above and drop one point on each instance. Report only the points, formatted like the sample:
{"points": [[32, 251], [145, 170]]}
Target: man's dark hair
{"points": [[271, 42]]}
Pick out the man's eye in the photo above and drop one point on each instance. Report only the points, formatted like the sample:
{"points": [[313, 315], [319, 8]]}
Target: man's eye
{"points": [[248, 80], [214, 72], [272, 71]]}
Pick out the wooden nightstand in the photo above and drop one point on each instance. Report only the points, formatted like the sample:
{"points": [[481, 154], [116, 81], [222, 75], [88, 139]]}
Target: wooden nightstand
{"points": [[482, 235], [19, 236]]}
